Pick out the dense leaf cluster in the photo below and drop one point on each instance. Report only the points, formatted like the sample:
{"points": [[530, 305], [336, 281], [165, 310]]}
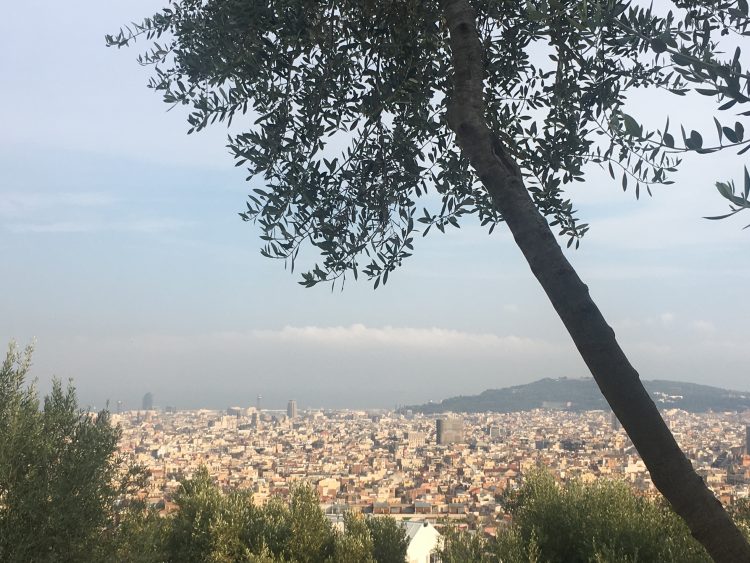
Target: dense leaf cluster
{"points": [[341, 107], [57, 470], [215, 527], [603, 522]]}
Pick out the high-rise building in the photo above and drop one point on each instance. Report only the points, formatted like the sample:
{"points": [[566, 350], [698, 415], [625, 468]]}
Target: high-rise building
{"points": [[148, 402], [747, 439], [291, 409], [450, 430]]}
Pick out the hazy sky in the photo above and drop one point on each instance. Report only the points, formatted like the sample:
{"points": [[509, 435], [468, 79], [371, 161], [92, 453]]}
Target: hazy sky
{"points": [[123, 256]]}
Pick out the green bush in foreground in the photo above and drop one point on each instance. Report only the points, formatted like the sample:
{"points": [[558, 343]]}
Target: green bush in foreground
{"points": [[604, 522], [57, 470], [228, 528]]}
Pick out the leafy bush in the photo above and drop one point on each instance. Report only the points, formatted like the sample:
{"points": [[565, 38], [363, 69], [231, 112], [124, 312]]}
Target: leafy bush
{"points": [[604, 522], [210, 526], [57, 470]]}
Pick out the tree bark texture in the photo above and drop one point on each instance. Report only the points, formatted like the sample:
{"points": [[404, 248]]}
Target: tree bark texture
{"points": [[671, 472]]}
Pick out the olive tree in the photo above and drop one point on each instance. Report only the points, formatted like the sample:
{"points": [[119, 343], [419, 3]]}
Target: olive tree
{"points": [[353, 112], [58, 470], [390, 543]]}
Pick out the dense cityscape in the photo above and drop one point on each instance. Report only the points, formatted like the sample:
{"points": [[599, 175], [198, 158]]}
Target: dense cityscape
{"points": [[432, 468], [188, 186]]}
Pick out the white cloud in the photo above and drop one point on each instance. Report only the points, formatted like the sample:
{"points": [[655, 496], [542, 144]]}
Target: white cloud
{"points": [[666, 318], [158, 225], [334, 338], [662, 320], [650, 349], [703, 327], [354, 365], [344, 366], [55, 227], [147, 226], [405, 337], [16, 205], [629, 271]]}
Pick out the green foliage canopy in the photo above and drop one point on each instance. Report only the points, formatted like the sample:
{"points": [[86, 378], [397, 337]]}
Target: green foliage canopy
{"points": [[343, 108], [603, 522], [212, 526], [57, 470], [389, 541]]}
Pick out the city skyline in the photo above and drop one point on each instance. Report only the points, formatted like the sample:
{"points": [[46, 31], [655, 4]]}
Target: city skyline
{"points": [[401, 465], [133, 272], [564, 394]]}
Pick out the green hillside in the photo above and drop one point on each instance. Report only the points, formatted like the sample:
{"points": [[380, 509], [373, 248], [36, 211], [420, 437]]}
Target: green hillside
{"points": [[583, 394]]}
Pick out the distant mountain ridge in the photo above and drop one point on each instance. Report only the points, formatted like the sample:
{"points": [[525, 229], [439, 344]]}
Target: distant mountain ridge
{"points": [[583, 394]]}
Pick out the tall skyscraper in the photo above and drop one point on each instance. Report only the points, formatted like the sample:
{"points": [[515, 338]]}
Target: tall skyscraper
{"points": [[291, 409], [257, 403], [450, 430], [747, 439], [148, 402], [235, 411]]}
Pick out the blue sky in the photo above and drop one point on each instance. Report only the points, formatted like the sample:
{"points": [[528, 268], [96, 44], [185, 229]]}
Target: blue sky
{"points": [[125, 259]]}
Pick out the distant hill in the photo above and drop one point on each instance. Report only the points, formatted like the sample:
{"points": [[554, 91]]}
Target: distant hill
{"points": [[583, 394]]}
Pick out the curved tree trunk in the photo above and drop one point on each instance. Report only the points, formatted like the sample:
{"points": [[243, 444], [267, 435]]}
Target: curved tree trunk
{"points": [[671, 471]]}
